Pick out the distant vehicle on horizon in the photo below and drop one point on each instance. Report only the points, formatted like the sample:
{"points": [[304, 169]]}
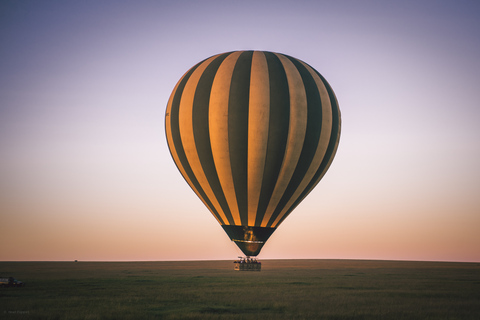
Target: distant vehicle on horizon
{"points": [[10, 282]]}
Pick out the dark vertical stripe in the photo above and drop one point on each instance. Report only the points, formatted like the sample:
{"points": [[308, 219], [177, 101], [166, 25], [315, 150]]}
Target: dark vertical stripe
{"points": [[238, 130], [312, 136], [277, 132], [330, 153], [201, 132], [177, 141]]}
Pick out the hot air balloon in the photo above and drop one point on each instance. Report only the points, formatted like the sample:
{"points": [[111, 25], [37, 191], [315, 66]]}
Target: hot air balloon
{"points": [[252, 133]]}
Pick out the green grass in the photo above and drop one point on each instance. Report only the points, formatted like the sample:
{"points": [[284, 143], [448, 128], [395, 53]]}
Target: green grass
{"points": [[284, 289]]}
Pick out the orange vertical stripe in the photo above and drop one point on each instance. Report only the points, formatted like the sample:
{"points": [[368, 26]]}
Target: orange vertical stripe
{"points": [[296, 134], [258, 121], [173, 151], [186, 134], [218, 125], [321, 147]]}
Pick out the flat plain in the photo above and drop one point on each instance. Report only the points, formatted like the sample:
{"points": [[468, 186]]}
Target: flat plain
{"points": [[284, 289]]}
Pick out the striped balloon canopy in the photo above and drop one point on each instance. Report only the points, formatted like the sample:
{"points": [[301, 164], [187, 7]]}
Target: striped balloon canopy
{"points": [[252, 133]]}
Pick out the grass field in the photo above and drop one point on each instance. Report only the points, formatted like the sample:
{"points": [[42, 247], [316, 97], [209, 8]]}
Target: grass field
{"points": [[284, 289]]}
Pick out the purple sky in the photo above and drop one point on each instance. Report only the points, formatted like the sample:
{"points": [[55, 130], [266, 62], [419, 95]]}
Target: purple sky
{"points": [[85, 171]]}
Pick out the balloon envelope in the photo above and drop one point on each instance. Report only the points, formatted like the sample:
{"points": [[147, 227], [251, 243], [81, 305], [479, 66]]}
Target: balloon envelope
{"points": [[252, 133]]}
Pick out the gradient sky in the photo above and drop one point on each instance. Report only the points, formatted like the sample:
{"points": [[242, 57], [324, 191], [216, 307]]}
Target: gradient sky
{"points": [[85, 172]]}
